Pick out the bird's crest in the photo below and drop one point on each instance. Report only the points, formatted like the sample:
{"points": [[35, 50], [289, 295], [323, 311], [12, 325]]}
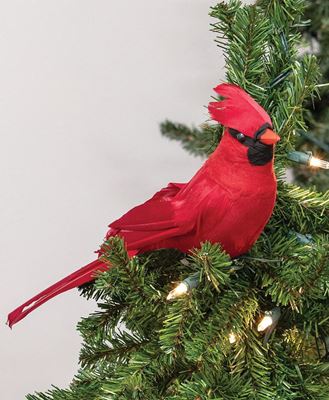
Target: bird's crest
{"points": [[238, 110]]}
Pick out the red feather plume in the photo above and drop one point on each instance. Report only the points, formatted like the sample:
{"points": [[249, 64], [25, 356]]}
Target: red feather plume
{"points": [[238, 110]]}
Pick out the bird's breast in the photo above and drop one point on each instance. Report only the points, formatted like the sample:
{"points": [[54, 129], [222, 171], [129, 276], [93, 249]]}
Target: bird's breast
{"points": [[236, 219]]}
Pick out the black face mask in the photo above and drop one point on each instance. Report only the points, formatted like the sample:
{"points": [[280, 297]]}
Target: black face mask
{"points": [[258, 152]]}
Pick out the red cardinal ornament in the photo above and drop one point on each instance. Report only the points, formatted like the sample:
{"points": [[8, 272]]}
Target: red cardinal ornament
{"points": [[229, 200]]}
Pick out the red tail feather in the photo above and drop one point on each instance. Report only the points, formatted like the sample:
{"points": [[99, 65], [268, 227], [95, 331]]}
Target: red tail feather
{"points": [[77, 278]]}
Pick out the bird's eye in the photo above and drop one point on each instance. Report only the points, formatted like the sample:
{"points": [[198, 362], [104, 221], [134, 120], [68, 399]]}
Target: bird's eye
{"points": [[241, 137]]}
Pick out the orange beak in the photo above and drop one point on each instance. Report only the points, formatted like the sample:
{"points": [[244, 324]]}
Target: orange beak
{"points": [[269, 137]]}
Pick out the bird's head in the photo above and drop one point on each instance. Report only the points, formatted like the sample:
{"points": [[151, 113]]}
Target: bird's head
{"points": [[247, 122]]}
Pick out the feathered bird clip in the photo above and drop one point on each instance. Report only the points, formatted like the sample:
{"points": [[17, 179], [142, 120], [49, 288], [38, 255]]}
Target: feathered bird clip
{"points": [[229, 200]]}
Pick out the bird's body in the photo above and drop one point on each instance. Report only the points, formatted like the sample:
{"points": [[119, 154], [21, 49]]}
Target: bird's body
{"points": [[224, 202], [229, 200]]}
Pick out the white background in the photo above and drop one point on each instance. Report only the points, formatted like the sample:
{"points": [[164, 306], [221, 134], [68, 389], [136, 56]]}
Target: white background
{"points": [[83, 88]]}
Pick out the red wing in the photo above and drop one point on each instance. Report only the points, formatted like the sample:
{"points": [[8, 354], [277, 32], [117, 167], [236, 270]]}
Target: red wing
{"points": [[158, 218], [156, 213]]}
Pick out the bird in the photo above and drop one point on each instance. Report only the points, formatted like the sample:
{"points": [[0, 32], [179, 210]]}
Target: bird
{"points": [[228, 201]]}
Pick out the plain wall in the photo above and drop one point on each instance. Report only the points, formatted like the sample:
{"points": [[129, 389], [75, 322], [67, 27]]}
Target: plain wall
{"points": [[84, 86]]}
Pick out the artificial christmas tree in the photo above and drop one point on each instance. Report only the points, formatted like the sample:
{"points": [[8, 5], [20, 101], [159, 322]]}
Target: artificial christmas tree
{"points": [[202, 325]]}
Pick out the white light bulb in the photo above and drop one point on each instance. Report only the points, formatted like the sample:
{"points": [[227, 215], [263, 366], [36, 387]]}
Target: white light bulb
{"points": [[265, 323], [181, 289], [232, 338], [316, 162]]}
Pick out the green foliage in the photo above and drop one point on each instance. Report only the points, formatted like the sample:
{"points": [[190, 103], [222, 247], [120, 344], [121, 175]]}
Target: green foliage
{"points": [[138, 345], [180, 349], [302, 210], [199, 142]]}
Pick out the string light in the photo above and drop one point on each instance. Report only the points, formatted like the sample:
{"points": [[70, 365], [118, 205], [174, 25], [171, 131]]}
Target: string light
{"points": [[307, 159], [184, 287], [232, 338], [316, 162], [180, 290], [265, 323], [270, 319]]}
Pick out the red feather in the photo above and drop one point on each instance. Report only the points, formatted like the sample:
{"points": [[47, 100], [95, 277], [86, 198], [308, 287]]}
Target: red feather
{"points": [[229, 200], [238, 110]]}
